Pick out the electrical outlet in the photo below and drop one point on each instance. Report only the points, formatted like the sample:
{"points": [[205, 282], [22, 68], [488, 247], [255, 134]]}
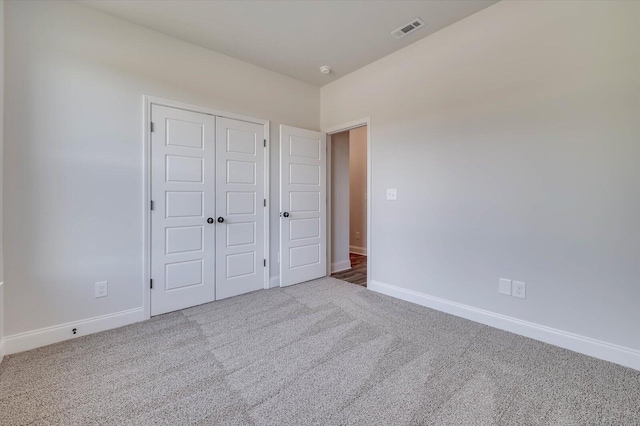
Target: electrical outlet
{"points": [[519, 289], [357, 235], [504, 286], [392, 194], [101, 289]]}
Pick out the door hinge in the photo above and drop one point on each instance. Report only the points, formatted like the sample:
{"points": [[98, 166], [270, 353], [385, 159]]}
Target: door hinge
{"points": [[151, 283], [151, 204], [151, 127], [265, 262], [265, 202], [265, 143]]}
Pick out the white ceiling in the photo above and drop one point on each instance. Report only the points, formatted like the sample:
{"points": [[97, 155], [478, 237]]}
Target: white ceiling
{"points": [[294, 37]]}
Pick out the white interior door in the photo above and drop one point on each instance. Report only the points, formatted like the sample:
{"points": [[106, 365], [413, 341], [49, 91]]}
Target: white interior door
{"points": [[303, 205], [182, 193], [240, 206]]}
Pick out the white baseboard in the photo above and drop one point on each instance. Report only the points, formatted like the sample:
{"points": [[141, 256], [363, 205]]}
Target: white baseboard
{"points": [[340, 266], [45, 336], [585, 345], [358, 250], [274, 281]]}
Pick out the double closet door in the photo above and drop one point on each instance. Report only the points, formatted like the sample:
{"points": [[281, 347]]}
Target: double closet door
{"points": [[208, 209]]}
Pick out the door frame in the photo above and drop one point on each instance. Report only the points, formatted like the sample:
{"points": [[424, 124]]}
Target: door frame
{"points": [[366, 121], [147, 102]]}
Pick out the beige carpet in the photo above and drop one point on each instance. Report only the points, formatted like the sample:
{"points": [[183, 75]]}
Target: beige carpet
{"points": [[325, 352]]}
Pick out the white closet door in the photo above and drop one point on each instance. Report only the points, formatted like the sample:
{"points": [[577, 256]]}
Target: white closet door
{"points": [[182, 188], [240, 258], [303, 205]]}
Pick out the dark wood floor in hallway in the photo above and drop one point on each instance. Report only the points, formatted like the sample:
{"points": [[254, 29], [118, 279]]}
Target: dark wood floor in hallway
{"points": [[358, 272]]}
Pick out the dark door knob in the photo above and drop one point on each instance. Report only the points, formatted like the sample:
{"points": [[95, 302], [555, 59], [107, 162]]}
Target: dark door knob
{"points": [[220, 219], [285, 214], [210, 220]]}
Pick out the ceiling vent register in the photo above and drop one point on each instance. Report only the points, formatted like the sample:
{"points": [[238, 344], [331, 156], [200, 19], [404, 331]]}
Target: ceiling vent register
{"points": [[408, 28]]}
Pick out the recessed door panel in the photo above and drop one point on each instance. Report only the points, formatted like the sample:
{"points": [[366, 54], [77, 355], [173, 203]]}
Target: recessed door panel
{"points": [[240, 207], [242, 172], [241, 202], [304, 147], [182, 204], [241, 234], [185, 133], [241, 142], [304, 174], [303, 199], [183, 192], [304, 255], [184, 274], [300, 201], [241, 264], [182, 239], [304, 228], [184, 169]]}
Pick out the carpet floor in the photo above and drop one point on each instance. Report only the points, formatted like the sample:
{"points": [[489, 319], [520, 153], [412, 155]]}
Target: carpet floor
{"points": [[323, 352]]}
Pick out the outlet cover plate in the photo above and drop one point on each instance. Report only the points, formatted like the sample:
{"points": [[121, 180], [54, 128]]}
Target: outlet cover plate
{"points": [[101, 289], [519, 289], [504, 286], [392, 194]]}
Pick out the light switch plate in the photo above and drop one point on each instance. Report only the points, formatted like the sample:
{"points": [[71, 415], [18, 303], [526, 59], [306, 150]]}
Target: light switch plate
{"points": [[504, 286], [392, 194]]}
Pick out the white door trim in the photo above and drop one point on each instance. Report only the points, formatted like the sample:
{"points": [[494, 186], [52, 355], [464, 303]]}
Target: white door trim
{"points": [[147, 101], [366, 121]]}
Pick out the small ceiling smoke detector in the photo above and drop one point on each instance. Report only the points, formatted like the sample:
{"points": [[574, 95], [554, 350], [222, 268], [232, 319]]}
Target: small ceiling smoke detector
{"points": [[325, 69], [408, 28]]}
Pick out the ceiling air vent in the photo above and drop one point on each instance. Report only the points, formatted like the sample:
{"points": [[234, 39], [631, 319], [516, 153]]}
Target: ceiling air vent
{"points": [[408, 28]]}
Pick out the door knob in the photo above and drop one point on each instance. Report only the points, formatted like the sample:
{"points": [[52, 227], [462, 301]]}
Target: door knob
{"points": [[285, 214], [220, 219], [210, 220]]}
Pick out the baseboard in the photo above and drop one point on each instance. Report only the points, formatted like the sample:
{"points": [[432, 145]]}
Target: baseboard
{"points": [[274, 281], [585, 345], [46, 336], [340, 266], [358, 250]]}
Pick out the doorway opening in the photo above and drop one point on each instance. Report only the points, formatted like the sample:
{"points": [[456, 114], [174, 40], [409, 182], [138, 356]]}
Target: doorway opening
{"points": [[349, 227]]}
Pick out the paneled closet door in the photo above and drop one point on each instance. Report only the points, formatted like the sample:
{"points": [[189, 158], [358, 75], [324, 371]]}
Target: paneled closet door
{"points": [[183, 195], [240, 207]]}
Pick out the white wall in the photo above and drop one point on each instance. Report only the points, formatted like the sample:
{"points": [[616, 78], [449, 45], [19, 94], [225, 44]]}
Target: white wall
{"points": [[1, 175], [513, 138], [358, 189], [340, 202], [74, 151]]}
